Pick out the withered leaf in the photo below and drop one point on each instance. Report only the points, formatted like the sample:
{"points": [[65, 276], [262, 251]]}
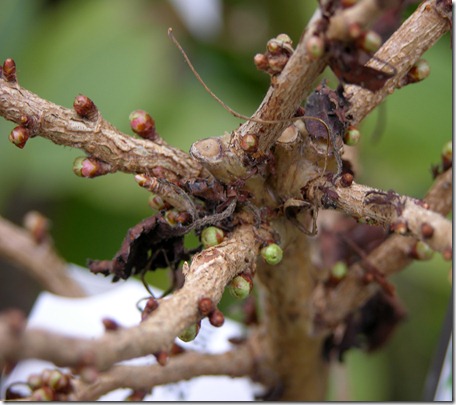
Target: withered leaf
{"points": [[369, 328], [348, 64], [149, 245], [330, 106]]}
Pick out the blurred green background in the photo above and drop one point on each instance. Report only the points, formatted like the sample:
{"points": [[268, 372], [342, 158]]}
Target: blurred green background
{"points": [[118, 53]]}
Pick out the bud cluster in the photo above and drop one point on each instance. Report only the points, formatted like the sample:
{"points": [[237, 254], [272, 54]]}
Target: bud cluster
{"points": [[278, 52]]}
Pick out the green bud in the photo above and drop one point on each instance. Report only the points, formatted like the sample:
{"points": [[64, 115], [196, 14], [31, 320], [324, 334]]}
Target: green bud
{"points": [[339, 270], [371, 41], [447, 151], [422, 251], [352, 136], [315, 46], [272, 254], [212, 236], [190, 333], [240, 286]]}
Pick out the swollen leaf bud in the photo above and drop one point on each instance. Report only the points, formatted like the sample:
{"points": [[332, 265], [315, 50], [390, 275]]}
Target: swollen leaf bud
{"points": [[212, 236], [240, 286], [190, 333], [272, 254]]}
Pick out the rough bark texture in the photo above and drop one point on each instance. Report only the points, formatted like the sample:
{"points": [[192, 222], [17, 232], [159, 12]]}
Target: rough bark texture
{"points": [[277, 189]]}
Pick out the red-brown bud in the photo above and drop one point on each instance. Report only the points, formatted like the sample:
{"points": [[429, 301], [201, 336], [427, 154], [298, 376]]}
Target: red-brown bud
{"points": [[85, 107], [261, 61], [38, 226], [9, 70], [90, 167], [206, 306], [216, 318], [19, 136], [249, 143], [143, 124], [162, 357]]}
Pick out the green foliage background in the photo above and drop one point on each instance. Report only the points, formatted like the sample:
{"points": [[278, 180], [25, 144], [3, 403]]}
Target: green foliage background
{"points": [[117, 53]]}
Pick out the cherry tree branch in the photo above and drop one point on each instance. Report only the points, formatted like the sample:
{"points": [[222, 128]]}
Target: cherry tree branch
{"points": [[330, 306], [96, 136], [404, 215], [38, 259], [402, 50], [241, 361], [207, 276]]}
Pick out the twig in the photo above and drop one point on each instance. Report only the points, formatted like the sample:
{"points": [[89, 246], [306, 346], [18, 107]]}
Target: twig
{"points": [[238, 362], [39, 260], [98, 138], [405, 215], [330, 306], [415, 36]]}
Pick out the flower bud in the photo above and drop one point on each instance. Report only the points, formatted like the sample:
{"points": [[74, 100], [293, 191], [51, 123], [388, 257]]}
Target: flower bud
{"points": [[370, 41], [42, 394], [190, 333], [315, 46], [272, 254], [216, 318], [90, 167], [339, 270], [9, 70], [206, 306], [143, 124], [249, 143], [240, 286], [352, 136], [419, 71], [85, 107], [212, 236], [19, 136], [156, 202], [261, 61], [34, 381], [421, 251]]}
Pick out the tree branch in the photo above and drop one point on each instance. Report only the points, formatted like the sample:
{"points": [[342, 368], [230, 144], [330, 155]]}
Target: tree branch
{"points": [[241, 361], [404, 215], [330, 306], [414, 37], [39, 260], [209, 273], [97, 137]]}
